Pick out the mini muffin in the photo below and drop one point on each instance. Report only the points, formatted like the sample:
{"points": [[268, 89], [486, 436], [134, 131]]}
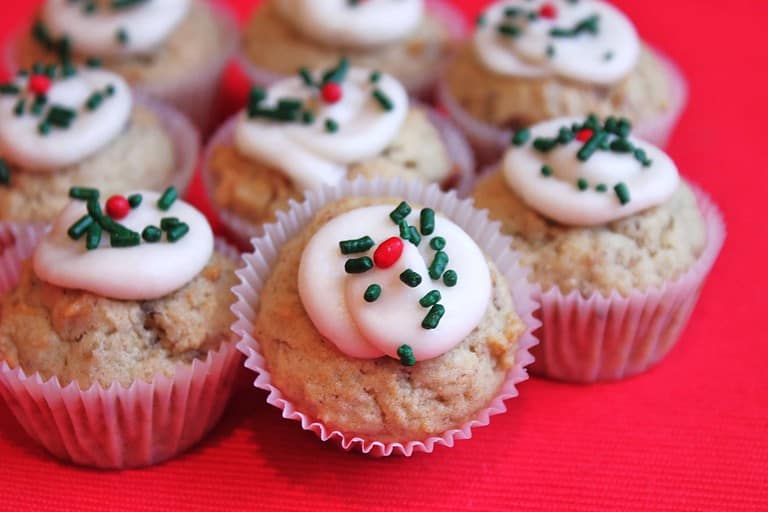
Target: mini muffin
{"points": [[405, 38], [62, 127], [615, 241], [175, 50], [318, 128], [128, 300], [381, 323], [536, 60]]}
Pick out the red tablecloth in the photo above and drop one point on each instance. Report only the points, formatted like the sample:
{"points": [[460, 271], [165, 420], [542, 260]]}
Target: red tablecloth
{"points": [[691, 434]]}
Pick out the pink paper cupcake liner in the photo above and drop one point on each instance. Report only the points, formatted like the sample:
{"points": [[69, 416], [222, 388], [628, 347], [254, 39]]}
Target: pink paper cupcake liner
{"points": [[423, 88], [599, 338], [489, 141], [258, 265], [195, 92], [117, 427], [241, 231]]}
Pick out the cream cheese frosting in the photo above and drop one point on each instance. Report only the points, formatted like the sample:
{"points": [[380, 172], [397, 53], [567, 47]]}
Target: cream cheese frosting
{"points": [[114, 28], [311, 127], [372, 292], [585, 40], [148, 258], [583, 173], [47, 123], [362, 23]]}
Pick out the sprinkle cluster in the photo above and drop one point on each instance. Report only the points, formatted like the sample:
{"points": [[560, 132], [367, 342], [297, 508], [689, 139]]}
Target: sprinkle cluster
{"points": [[93, 224], [389, 251], [328, 89], [612, 135]]}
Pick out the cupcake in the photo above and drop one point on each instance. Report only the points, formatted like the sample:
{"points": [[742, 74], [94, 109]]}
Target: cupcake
{"points": [[319, 128], [386, 326], [618, 245], [62, 126], [115, 344], [531, 61], [174, 50], [409, 39]]}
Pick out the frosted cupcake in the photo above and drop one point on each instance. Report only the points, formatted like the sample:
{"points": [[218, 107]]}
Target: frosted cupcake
{"points": [[123, 306], [318, 128], [62, 126], [535, 60], [409, 39], [174, 50], [618, 244], [382, 324]]}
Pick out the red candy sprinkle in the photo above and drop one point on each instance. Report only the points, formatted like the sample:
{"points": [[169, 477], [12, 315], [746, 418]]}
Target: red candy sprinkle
{"points": [[118, 207], [39, 84], [331, 92], [548, 11], [584, 135], [388, 252]]}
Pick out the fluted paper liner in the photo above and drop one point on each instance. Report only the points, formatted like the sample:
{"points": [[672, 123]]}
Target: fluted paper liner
{"points": [[240, 230], [116, 427], [423, 88], [599, 338], [194, 92], [490, 141], [258, 265]]}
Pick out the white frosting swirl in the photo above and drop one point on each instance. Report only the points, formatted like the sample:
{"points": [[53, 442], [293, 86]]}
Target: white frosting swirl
{"points": [[364, 24], [334, 299], [22, 141], [146, 25], [308, 153], [604, 57], [559, 197], [143, 272]]}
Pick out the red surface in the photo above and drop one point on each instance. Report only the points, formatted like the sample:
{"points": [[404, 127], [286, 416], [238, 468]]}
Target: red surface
{"points": [[691, 434]]}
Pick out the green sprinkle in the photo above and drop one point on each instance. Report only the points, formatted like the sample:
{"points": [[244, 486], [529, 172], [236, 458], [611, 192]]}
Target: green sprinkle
{"points": [[622, 192], [256, 95], [546, 170], [590, 24], [427, 221], [151, 234], [400, 213], [307, 117], [450, 278], [625, 127], [122, 4], [9, 89], [521, 136], [357, 245], [135, 200], [167, 199], [83, 193], [93, 239], [18, 109], [432, 319], [430, 299], [50, 70], [78, 229], [93, 62], [5, 172], [68, 69], [331, 126], [94, 101], [437, 267], [511, 12], [372, 293], [564, 136], [44, 128], [592, 122], [550, 51], [167, 223], [642, 157], [410, 278], [582, 184], [383, 100], [544, 145], [405, 233], [621, 146], [601, 187], [125, 238], [608, 56], [40, 33], [122, 36], [611, 124], [375, 76], [60, 117], [177, 232], [358, 265], [289, 104], [508, 30], [437, 243], [413, 235], [480, 20], [306, 77], [588, 149], [109, 90], [338, 73], [405, 353]]}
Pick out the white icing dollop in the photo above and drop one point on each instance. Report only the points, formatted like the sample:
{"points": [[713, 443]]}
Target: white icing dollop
{"points": [[143, 272], [22, 141], [334, 299], [602, 58], [559, 197], [363, 24], [145, 26], [308, 153]]}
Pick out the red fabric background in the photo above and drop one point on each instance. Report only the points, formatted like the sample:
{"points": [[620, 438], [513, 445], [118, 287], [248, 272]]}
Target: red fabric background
{"points": [[691, 434]]}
